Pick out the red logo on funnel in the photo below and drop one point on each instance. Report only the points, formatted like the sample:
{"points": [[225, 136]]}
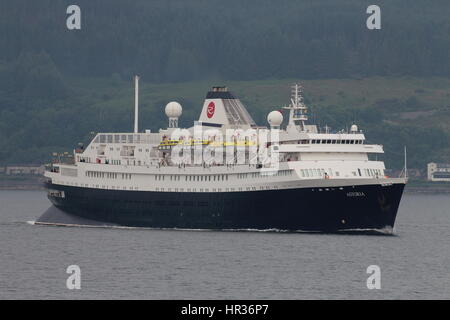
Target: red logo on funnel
{"points": [[210, 110]]}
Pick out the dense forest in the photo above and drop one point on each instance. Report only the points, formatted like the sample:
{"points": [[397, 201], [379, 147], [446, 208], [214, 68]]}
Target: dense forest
{"points": [[58, 85], [184, 40]]}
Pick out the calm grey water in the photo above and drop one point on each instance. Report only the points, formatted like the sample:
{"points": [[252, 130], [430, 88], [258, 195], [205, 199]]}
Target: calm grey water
{"points": [[156, 264]]}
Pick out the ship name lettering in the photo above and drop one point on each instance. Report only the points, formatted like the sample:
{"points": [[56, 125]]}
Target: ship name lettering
{"points": [[355, 194]]}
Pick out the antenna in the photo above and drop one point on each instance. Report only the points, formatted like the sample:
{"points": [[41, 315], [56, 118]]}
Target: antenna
{"points": [[406, 169], [297, 108], [136, 103]]}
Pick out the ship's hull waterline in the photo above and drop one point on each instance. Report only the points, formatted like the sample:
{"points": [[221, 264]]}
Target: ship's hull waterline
{"points": [[334, 209]]}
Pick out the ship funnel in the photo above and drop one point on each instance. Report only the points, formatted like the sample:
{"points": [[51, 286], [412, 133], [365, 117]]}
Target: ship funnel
{"points": [[221, 107]]}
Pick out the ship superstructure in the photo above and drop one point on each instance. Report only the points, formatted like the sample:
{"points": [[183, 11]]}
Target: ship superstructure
{"points": [[225, 172]]}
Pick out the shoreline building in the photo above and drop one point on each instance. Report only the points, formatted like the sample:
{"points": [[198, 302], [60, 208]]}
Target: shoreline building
{"points": [[24, 169], [438, 171]]}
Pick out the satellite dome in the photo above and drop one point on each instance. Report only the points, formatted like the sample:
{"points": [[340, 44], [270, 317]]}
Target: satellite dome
{"points": [[354, 128], [173, 109], [275, 118]]}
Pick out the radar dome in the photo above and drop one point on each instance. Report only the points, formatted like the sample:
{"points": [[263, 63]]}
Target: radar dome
{"points": [[275, 118], [173, 109], [354, 128]]}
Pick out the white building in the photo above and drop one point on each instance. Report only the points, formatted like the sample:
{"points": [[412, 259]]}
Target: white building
{"points": [[438, 171], [24, 169]]}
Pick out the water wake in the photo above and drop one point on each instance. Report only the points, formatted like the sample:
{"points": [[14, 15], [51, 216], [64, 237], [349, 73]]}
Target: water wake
{"points": [[56, 217]]}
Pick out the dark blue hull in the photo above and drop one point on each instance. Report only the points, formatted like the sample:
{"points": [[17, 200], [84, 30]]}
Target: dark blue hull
{"points": [[308, 209]]}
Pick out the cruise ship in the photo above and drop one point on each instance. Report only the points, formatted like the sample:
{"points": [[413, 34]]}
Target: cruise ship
{"points": [[227, 173]]}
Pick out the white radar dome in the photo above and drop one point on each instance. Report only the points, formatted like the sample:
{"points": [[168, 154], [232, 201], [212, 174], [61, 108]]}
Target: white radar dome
{"points": [[173, 109], [275, 118], [354, 128]]}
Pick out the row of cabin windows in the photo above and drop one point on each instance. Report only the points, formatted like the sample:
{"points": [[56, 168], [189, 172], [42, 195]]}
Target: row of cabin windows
{"points": [[118, 149], [101, 149], [326, 141], [306, 173], [259, 175], [108, 175], [368, 173], [220, 177], [331, 141], [130, 138], [122, 138], [162, 177], [217, 189], [373, 172]]}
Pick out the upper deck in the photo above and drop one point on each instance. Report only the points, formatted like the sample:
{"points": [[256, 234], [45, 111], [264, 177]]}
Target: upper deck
{"points": [[226, 135]]}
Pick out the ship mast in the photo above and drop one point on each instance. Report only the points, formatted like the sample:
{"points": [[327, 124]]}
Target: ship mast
{"points": [[297, 109], [136, 103]]}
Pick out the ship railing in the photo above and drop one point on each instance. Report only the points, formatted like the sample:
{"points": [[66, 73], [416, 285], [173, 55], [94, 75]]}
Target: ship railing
{"points": [[127, 153], [49, 167], [171, 143], [63, 158], [132, 138]]}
